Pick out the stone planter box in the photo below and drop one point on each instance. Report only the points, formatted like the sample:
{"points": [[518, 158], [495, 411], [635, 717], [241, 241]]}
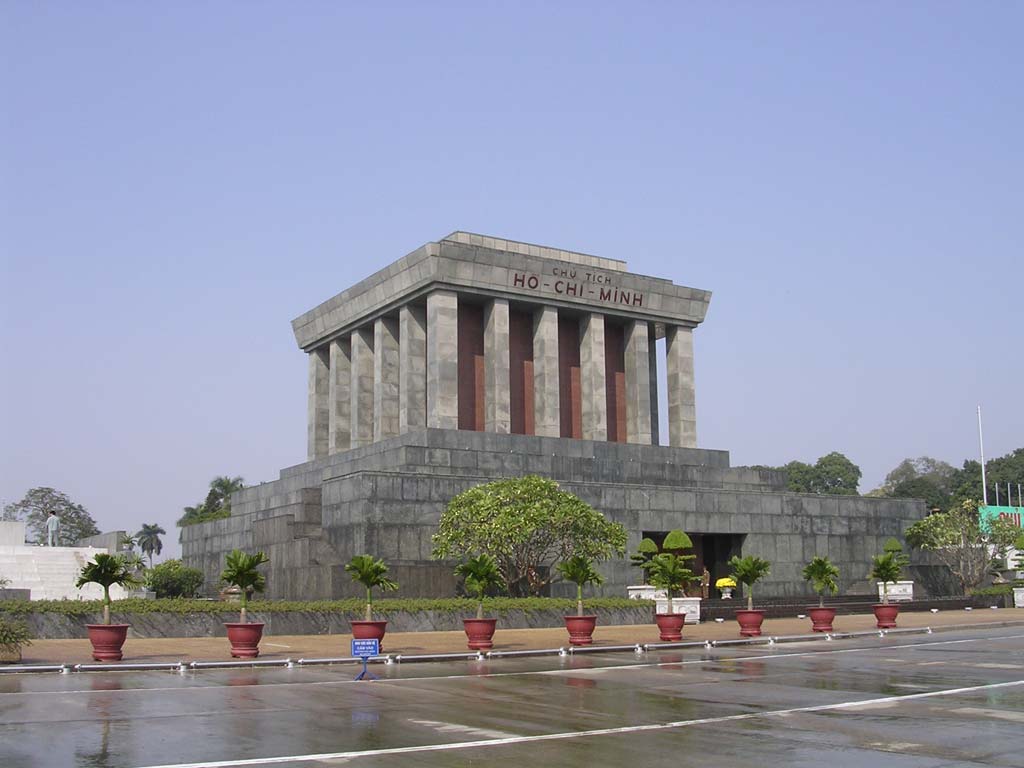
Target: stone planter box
{"points": [[644, 592], [900, 592], [688, 605]]}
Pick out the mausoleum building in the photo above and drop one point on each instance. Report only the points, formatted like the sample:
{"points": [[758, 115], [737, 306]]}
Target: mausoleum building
{"points": [[474, 358]]}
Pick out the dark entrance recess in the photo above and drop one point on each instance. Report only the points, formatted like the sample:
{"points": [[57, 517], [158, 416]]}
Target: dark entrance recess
{"points": [[713, 550]]}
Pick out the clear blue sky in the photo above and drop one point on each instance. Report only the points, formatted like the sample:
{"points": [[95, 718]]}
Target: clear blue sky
{"points": [[179, 180]]}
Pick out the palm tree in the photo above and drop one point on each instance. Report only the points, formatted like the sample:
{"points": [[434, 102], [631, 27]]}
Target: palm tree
{"points": [[105, 570], [822, 574], [580, 571], [749, 570], [149, 540], [668, 571], [222, 486], [370, 572], [886, 569], [240, 571], [480, 573]]}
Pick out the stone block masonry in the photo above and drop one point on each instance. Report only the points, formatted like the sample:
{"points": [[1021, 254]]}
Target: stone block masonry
{"points": [[386, 499], [475, 358]]}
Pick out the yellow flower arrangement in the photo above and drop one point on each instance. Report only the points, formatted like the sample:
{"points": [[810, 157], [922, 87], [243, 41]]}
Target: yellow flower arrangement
{"points": [[726, 582]]}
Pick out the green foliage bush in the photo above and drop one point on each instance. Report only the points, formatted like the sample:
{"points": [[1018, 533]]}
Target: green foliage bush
{"points": [[174, 579], [14, 634], [351, 606], [996, 590]]}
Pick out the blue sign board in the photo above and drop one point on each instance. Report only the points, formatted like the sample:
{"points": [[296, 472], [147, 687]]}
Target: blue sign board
{"points": [[364, 649]]}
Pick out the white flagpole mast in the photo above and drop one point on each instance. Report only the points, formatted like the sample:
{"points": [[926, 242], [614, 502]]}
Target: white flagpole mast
{"points": [[981, 446]]}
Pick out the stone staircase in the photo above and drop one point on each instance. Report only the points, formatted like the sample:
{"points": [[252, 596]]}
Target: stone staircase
{"points": [[50, 573]]}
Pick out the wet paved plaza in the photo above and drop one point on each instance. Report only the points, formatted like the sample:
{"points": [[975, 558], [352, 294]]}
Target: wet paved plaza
{"points": [[944, 699]]}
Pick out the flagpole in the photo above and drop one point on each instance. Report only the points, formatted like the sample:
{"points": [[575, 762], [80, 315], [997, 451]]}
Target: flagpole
{"points": [[981, 446]]}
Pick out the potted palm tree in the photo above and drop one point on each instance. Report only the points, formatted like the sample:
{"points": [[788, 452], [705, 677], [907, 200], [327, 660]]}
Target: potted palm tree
{"points": [[822, 575], [479, 573], [668, 571], [902, 589], [370, 572], [107, 570], [748, 571], [886, 569], [579, 569], [240, 572]]}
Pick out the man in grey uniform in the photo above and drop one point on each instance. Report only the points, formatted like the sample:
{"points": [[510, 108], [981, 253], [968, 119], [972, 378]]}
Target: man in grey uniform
{"points": [[52, 529]]}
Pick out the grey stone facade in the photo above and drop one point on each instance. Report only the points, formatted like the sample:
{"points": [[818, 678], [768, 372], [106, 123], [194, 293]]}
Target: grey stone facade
{"points": [[387, 498], [385, 454]]}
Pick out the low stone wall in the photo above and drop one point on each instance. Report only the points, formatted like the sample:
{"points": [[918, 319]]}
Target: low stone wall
{"points": [[56, 626]]}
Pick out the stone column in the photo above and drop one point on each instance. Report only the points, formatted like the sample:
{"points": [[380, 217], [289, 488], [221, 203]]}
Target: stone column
{"points": [[682, 409], [318, 410], [385, 378], [638, 385], [362, 387], [412, 368], [652, 350], [443, 360], [546, 419], [497, 384], [592, 377], [339, 428]]}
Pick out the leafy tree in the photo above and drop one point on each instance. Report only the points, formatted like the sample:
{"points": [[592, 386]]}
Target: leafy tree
{"points": [[528, 524], [149, 540], [173, 578], [836, 475], [749, 570], [822, 574], [832, 474], [240, 571], [479, 573], [107, 570], [370, 572], [75, 522], [966, 482], [668, 571], [217, 504], [958, 541], [922, 488], [800, 477], [580, 571], [938, 473]]}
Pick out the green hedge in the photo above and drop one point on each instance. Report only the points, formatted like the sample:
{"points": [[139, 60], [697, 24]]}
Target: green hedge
{"points": [[994, 591], [492, 605]]}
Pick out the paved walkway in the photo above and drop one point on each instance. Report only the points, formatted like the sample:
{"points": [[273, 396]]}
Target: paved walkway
{"points": [[333, 646]]}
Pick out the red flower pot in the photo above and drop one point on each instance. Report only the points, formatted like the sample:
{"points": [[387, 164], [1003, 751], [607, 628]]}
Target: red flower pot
{"points": [[479, 633], [369, 630], [581, 629], [750, 622], [245, 639], [821, 618], [670, 626], [885, 615], [107, 640]]}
